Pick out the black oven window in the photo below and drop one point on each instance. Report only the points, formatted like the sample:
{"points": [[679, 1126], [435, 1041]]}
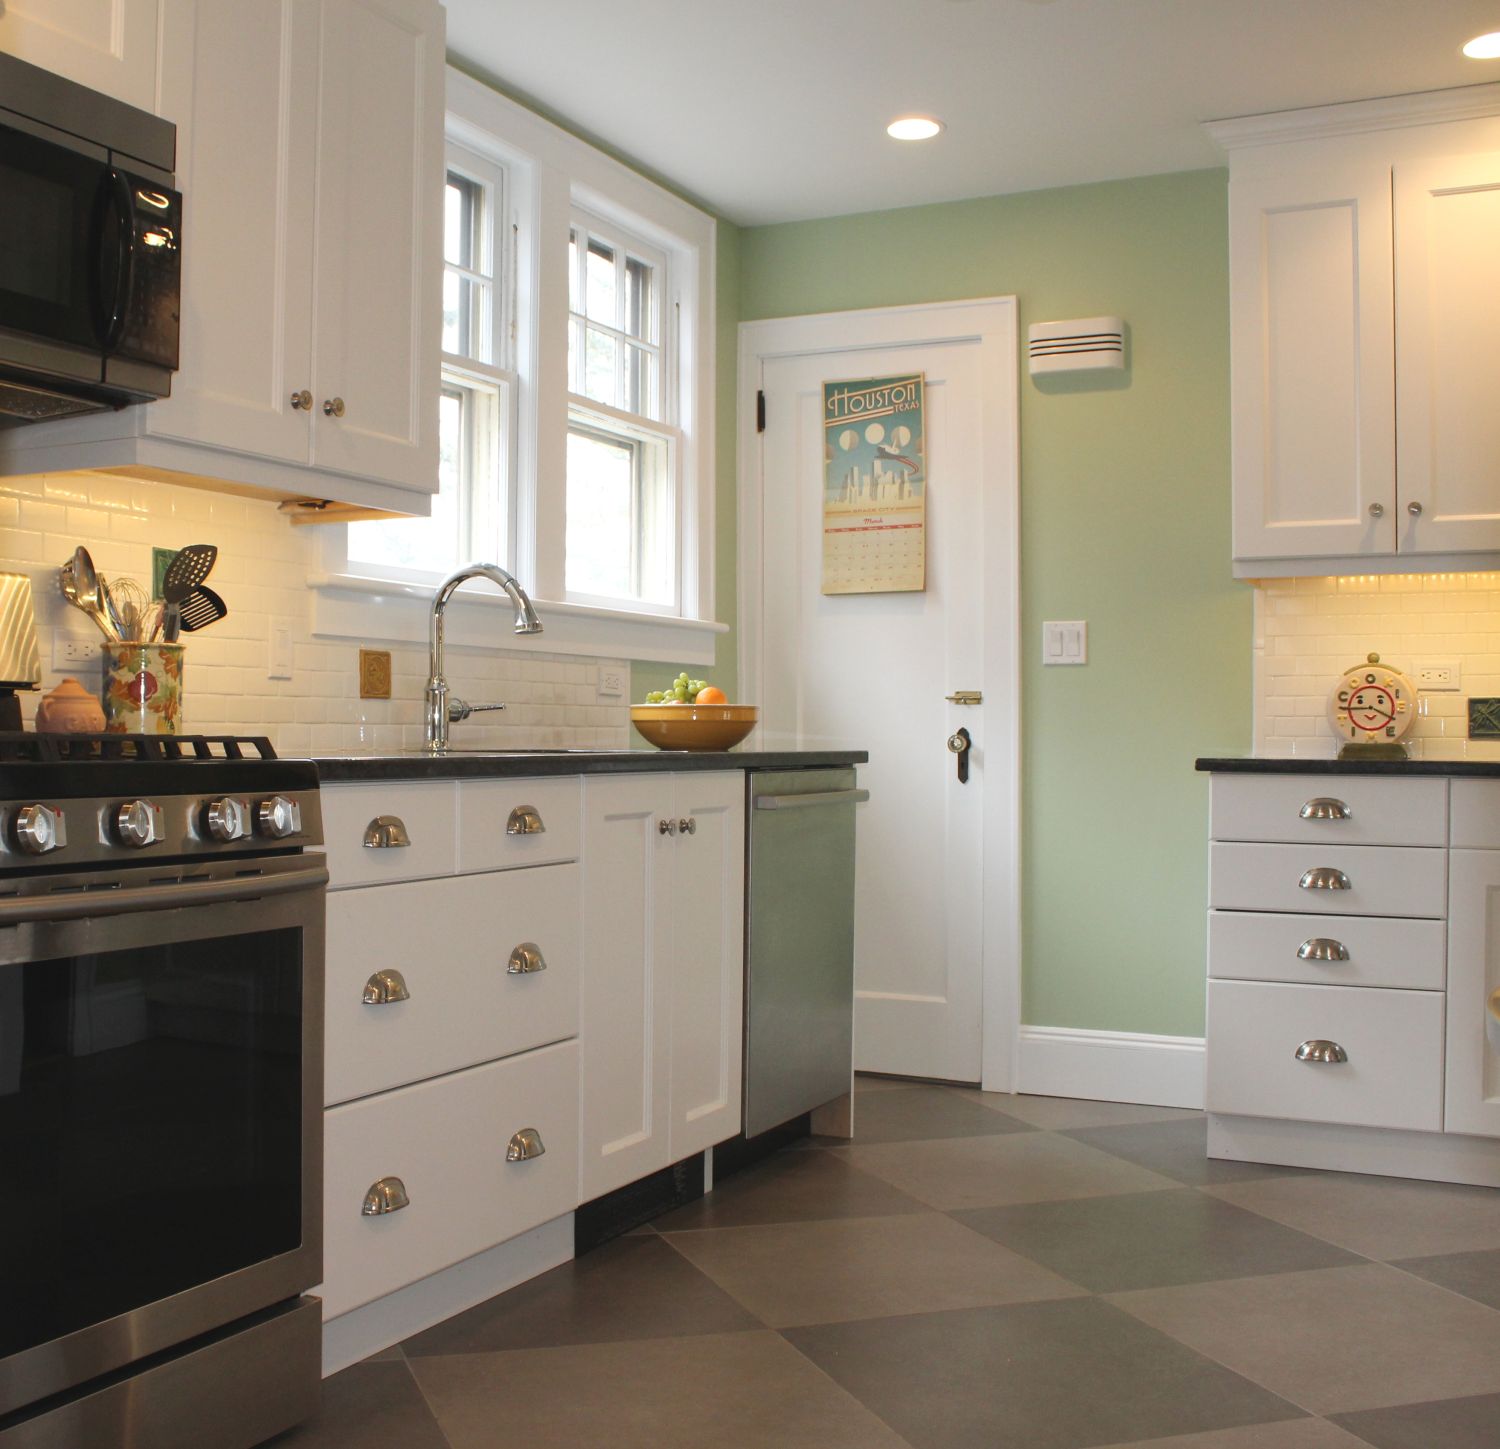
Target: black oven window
{"points": [[36, 236], [150, 1125]]}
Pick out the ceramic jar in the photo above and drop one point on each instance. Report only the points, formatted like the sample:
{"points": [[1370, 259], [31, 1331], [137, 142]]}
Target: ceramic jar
{"points": [[70, 709], [143, 688]]}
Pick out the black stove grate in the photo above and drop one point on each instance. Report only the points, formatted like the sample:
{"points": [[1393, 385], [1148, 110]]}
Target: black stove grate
{"points": [[19, 747]]}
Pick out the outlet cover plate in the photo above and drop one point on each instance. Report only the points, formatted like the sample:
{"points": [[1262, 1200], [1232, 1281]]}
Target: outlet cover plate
{"points": [[74, 651], [1434, 675], [611, 681], [374, 673]]}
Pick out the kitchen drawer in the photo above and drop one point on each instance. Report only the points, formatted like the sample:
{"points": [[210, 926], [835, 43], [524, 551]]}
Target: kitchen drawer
{"points": [[426, 812], [1382, 950], [1475, 821], [1383, 880], [452, 941], [446, 1141], [1394, 1040], [1367, 809], [488, 809]]}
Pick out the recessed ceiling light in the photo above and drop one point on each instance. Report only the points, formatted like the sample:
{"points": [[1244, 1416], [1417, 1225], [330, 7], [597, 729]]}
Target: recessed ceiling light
{"points": [[1484, 47], [914, 128]]}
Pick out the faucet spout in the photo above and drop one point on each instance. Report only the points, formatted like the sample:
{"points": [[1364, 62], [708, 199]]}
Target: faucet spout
{"points": [[439, 712]]}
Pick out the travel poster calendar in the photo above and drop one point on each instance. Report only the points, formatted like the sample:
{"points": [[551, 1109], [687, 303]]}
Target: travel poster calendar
{"points": [[874, 486]]}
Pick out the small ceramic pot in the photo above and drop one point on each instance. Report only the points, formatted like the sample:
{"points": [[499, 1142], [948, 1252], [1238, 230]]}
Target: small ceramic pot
{"points": [[69, 710], [143, 689]]}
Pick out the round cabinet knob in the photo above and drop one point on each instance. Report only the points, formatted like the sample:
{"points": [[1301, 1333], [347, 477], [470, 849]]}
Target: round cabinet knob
{"points": [[39, 829], [226, 820], [302, 400], [1377, 510], [278, 817], [666, 827], [688, 826], [138, 823], [1415, 509], [333, 407]]}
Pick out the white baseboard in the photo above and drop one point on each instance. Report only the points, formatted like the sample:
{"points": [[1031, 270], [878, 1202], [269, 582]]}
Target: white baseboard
{"points": [[1110, 1066]]}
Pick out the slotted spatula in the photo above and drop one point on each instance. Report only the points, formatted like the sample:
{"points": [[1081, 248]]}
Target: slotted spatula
{"points": [[189, 567], [201, 608]]}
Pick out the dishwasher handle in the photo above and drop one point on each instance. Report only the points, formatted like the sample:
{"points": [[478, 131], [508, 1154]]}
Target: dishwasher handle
{"points": [[813, 797]]}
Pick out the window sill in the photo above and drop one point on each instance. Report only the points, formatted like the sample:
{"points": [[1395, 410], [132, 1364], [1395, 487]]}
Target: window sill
{"points": [[356, 606]]}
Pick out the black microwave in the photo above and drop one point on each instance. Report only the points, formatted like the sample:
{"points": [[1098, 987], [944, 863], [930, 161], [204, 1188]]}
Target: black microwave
{"points": [[90, 249]]}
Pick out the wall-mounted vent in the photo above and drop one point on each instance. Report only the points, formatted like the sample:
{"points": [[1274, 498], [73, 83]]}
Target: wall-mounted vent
{"points": [[1085, 344]]}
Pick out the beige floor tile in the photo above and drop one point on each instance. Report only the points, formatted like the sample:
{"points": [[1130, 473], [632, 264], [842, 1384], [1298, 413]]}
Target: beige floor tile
{"points": [[826, 1272], [1062, 1114], [963, 1172], [1335, 1339], [1295, 1434], [749, 1390], [1380, 1217]]}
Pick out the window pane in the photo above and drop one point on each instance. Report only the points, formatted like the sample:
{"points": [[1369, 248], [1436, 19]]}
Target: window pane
{"points": [[575, 285], [464, 309], [621, 514], [640, 311], [463, 218], [601, 367], [640, 381], [601, 283]]}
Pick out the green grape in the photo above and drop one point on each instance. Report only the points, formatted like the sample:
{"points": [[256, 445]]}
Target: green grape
{"points": [[655, 697]]}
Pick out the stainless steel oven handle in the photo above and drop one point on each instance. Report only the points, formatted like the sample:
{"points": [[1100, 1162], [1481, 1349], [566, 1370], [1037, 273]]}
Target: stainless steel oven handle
{"points": [[22, 909], [813, 797]]}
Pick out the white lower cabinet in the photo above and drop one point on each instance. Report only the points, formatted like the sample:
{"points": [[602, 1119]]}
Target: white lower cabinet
{"points": [[1473, 1079], [451, 1162], [663, 948]]}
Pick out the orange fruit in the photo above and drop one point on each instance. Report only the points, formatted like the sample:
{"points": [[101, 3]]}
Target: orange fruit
{"points": [[711, 694]]}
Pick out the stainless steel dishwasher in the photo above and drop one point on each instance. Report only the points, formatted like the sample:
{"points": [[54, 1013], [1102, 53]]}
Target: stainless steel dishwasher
{"points": [[799, 942]]}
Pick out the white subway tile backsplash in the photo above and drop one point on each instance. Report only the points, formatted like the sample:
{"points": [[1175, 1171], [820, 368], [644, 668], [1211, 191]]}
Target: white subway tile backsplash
{"points": [[262, 572]]}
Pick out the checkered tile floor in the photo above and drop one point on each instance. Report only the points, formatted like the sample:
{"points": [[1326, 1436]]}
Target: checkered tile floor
{"points": [[981, 1272]]}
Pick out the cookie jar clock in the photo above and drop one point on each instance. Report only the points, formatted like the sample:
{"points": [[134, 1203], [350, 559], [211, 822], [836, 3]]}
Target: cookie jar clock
{"points": [[1371, 706]]}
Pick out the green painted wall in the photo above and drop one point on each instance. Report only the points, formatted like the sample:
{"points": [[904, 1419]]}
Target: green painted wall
{"points": [[1124, 522]]}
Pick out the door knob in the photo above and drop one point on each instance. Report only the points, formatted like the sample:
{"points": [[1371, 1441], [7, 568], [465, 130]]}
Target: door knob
{"points": [[960, 743]]}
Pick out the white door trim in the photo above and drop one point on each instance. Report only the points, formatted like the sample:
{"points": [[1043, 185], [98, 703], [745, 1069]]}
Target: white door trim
{"points": [[991, 323]]}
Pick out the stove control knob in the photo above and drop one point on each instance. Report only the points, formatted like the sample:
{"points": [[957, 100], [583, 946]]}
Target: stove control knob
{"points": [[40, 829], [138, 823], [226, 820], [278, 817]]}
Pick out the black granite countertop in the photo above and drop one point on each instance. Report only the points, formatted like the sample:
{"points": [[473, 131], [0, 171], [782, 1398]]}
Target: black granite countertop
{"points": [[1262, 765], [485, 764]]}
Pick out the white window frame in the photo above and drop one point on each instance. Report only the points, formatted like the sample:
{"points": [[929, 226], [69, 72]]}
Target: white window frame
{"points": [[550, 175]]}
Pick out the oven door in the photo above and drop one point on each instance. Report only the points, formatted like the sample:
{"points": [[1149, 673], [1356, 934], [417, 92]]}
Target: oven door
{"points": [[161, 1049]]}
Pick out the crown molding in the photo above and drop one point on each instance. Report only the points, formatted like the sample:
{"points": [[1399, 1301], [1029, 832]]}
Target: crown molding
{"points": [[1352, 118]]}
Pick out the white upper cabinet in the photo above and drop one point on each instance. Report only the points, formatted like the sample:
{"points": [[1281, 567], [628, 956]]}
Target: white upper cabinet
{"points": [[107, 45], [1364, 275], [1448, 352]]}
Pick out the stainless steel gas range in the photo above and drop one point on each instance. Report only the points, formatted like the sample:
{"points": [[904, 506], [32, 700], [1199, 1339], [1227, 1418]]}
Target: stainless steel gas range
{"points": [[161, 987]]}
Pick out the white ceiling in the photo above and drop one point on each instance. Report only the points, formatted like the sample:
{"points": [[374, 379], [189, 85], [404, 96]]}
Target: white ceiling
{"points": [[772, 110]]}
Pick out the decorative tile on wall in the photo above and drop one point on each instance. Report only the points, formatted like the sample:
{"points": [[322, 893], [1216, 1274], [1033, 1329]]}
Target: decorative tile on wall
{"points": [[1307, 631], [262, 573]]}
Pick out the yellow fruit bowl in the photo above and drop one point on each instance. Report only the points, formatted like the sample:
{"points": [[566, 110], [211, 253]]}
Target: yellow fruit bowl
{"points": [[693, 726]]}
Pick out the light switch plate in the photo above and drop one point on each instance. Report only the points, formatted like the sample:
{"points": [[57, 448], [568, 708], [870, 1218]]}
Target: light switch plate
{"points": [[1065, 641], [279, 652]]}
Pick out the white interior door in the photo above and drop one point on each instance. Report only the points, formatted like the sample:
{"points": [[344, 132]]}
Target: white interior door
{"points": [[873, 671]]}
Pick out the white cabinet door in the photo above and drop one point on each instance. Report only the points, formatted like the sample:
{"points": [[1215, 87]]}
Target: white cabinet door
{"points": [[706, 926], [1313, 356], [377, 331], [1448, 353], [108, 45], [625, 1019], [241, 83], [1473, 1067]]}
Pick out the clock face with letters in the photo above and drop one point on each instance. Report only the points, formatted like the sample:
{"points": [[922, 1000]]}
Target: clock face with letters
{"points": [[1372, 704]]}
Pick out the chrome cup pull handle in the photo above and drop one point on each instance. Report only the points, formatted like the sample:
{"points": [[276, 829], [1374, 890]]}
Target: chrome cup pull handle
{"points": [[385, 988], [525, 820], [526, 958], [1324, 878], [1325, 807], [386, 832], [524, 1145], [1322, 948], [1321, 1053], [386, 1196]]}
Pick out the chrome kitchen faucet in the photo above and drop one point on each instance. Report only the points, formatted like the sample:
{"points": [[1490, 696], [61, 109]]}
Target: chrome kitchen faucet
{"points": [[440, 711]]}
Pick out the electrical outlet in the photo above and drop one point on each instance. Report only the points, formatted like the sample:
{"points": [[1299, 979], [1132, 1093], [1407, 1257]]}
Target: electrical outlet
{"points": [[1433, 675], [70, 651], [611, 683], [374, 673]]}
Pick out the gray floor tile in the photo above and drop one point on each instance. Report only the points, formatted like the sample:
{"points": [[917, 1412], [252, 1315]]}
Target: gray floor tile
{"points": [[1475, 1275], [1177, 1149], [1336, 1339], [634, 1287], [1381, 1217], [1032, 1376], [371, 1405], [866, 1082], [1449, 1424], [1294, 1434], [824, 1272], [926, 1113], [746, 1390], [792, 1187], [1151, 1240], [1059, 1114], [964, 1172]]}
